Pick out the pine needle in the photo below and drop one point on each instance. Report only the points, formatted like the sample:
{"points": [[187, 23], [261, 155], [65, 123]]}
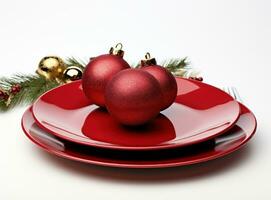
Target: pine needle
{"points": [[71, 61], [178, 67]]}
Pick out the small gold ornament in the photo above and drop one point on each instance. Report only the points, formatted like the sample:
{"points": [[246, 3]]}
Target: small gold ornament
{"points": [[51, 68], [72, 73]]}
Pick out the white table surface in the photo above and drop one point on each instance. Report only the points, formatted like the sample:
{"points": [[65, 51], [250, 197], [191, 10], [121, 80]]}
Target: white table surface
{"points": [[229, 41]]}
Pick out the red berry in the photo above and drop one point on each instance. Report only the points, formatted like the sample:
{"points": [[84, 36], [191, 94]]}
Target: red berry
{"points": [[3, 95], [15, 89]]}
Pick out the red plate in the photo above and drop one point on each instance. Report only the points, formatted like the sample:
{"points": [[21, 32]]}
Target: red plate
{"points": [[200, 112], [220, 146]]}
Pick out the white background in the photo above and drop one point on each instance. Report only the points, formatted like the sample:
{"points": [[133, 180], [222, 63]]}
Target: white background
{"points": [[229, 41]]}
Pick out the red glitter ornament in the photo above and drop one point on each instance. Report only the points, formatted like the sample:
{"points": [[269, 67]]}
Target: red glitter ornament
{"points": [[133, 97], [99, 71], [166, 80]]}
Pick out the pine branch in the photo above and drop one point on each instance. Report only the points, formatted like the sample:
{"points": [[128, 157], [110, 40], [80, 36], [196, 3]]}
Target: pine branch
{"points": [[32, 86], [71, 61], [178, 67]]}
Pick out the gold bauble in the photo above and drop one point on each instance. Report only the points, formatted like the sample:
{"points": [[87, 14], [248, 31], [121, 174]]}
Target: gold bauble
{"points": [[72, 73], [51, 68]]}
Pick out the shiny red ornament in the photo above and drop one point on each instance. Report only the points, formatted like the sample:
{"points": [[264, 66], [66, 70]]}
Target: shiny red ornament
{"points": [[99, 71], [166, 80], [133, 97]]}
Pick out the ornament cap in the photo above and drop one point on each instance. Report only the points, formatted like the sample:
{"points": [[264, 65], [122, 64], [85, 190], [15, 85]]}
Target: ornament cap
{"points": [[148, 60], [117, 50]]}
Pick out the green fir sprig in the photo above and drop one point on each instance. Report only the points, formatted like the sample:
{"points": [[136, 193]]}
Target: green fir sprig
{"points": [[178, 67], [71, 61], [32, 86]]}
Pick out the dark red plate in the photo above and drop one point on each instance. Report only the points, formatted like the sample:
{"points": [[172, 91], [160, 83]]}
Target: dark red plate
{"points": [[220, 146], [200, 112]]}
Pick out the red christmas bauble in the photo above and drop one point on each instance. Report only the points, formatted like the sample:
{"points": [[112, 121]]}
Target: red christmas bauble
{"points": [[97, 74], [166, 81], [133, 97]]}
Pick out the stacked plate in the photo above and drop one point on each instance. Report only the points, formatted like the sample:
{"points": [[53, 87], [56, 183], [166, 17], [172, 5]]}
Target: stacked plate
{"points": [[204, 123]]}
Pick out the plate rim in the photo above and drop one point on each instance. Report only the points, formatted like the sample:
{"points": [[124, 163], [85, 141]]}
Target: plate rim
{"points": [[135, 148]]}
